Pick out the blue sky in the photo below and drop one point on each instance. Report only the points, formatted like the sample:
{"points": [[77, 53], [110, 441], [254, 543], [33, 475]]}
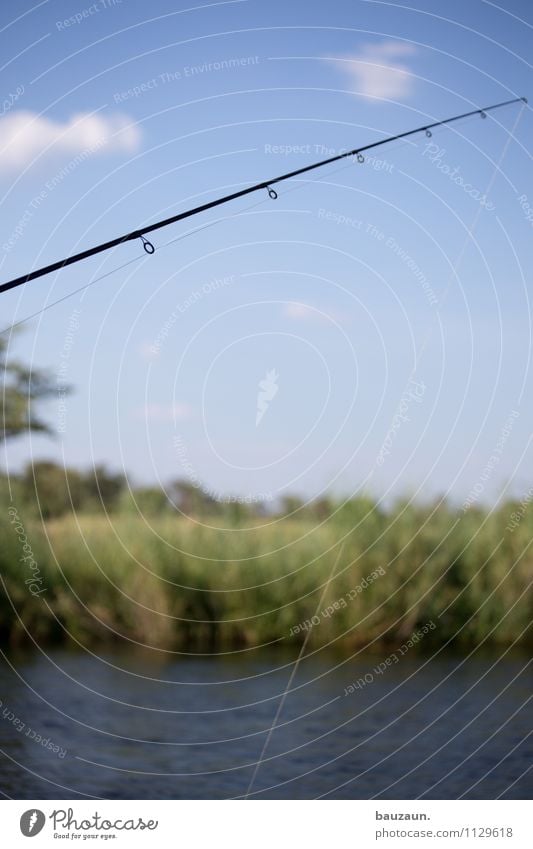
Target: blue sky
{"points": [[381, 310]]}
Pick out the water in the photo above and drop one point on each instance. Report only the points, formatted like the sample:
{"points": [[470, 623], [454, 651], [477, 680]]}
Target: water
{"points": [[135, 726]]}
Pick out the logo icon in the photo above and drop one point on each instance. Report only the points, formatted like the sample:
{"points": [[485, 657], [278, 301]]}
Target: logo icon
{"points": [[268, 388], [32, 822]]}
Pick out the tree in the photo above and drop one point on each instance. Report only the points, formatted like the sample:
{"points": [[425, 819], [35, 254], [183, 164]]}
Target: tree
{"points": [[291, 504], [22, 389], [146, 500], [192, 500], [103, 487], [52, 489]]}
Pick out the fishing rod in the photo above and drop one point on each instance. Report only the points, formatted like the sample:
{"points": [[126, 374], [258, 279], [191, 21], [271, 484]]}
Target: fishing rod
{"points": [[265, 184]]}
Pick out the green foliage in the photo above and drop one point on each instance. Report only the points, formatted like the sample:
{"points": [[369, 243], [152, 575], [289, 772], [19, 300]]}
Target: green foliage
{"points": [[47, 489], [51, 489], [103, 487], [178, 583], [145, 501], [22, 389]]}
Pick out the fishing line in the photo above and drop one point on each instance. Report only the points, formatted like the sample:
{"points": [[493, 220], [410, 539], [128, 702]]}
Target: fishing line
{"points": [[355, 154], [496, 169], [470, 230], [69, 295], [292, 676], [359, 158], [125, 265], [173, 241]]}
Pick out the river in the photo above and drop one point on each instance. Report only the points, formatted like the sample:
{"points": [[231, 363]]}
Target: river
{"points": [[119, 725]]}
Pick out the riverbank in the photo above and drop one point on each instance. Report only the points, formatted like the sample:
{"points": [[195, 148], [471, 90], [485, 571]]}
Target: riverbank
{"points": [[177, 584]]}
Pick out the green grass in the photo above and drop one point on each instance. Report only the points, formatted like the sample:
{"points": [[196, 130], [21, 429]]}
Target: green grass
{"points": [[175, 584]]}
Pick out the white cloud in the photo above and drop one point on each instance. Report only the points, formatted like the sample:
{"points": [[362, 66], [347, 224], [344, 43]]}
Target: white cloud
{"points": [[166, 412], [297, 311], [378, 70], [147, 351], [25, 135]]}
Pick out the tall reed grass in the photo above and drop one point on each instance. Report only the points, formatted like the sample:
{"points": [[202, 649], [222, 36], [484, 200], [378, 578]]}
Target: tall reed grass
{"points": [[178, 585]]}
